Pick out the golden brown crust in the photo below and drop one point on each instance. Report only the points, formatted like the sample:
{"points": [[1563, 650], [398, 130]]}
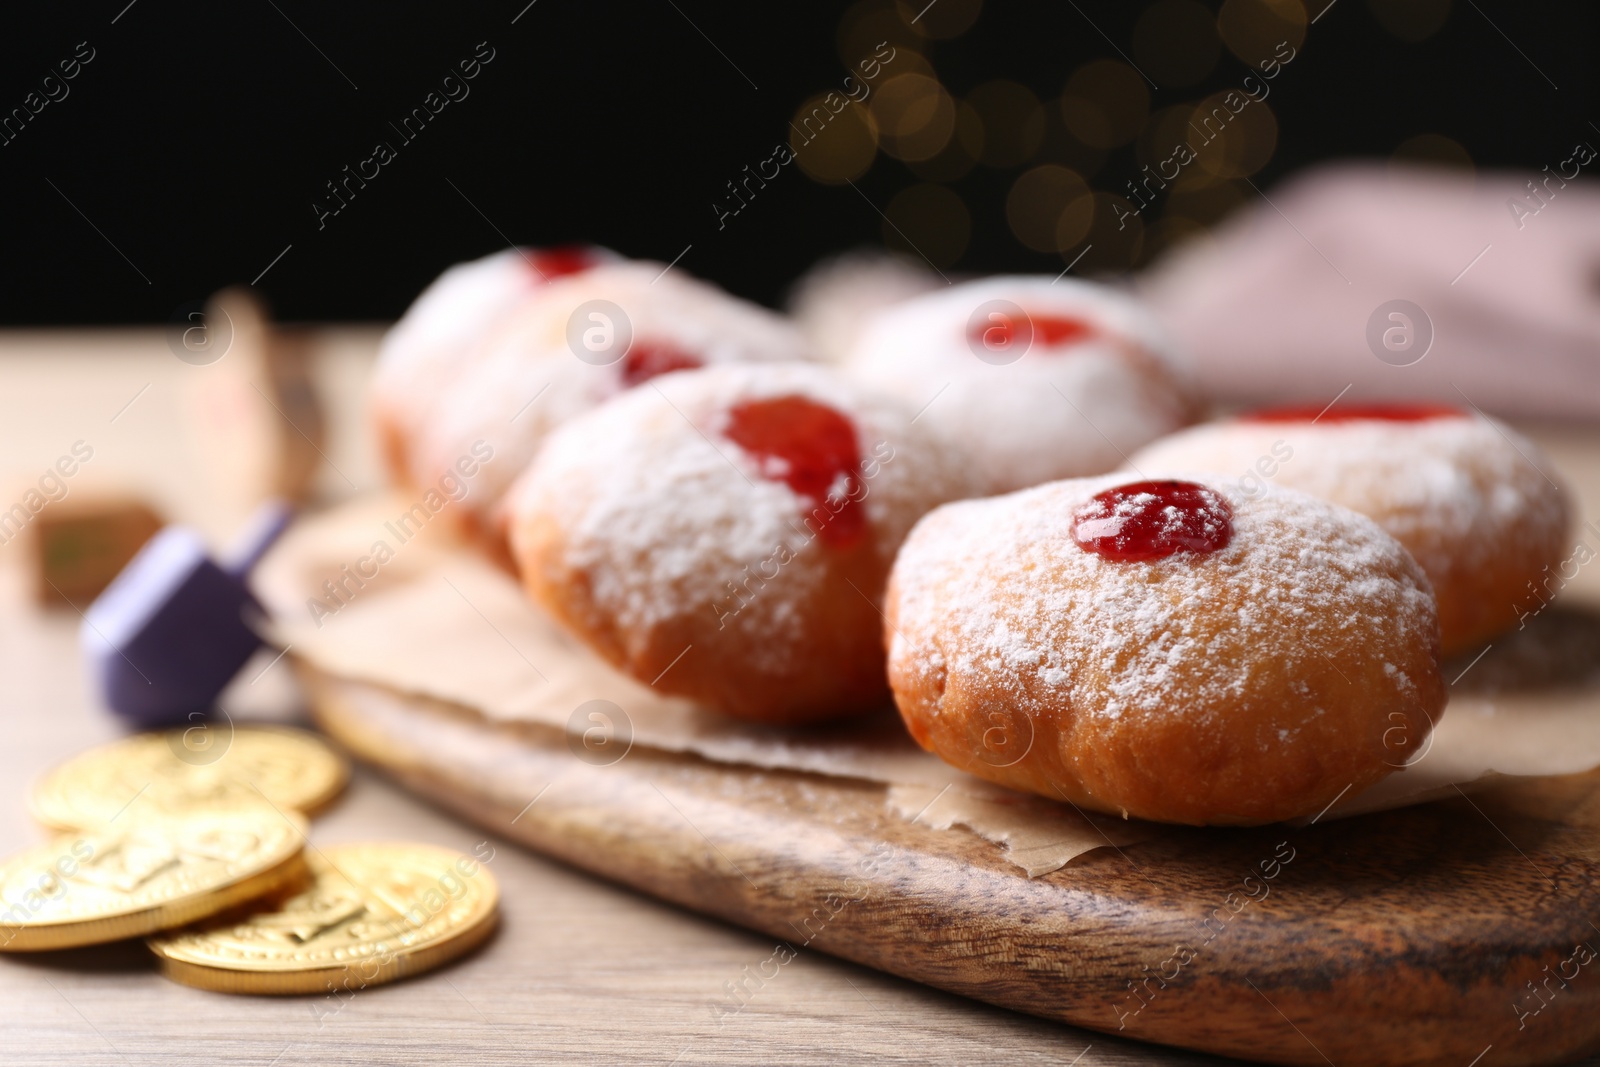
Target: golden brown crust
{"points": [[1484, 576], [1250, 686], [1473, 501], [659, 543], [833, 667], [392, 443]]}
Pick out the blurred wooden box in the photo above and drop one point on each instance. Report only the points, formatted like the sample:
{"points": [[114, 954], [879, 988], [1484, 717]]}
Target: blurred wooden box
{"points": [[79, 545]]}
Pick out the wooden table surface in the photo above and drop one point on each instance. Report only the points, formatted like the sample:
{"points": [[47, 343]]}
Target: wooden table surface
{"points": [[581, 971]]}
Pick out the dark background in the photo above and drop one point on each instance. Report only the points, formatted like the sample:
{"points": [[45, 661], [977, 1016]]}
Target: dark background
{"points": [[198, 137]]}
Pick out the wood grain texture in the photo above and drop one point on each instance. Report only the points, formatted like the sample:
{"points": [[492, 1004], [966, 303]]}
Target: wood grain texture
{"points": [[1407, 937], [582, 971]]}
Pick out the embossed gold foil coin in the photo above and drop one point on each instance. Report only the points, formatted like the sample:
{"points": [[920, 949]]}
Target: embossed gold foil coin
{"points": [[375, 913], [144, 876], [214, 767]]}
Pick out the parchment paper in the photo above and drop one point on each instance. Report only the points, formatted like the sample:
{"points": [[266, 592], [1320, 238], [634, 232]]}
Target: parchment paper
{"points": [[437, 619]]}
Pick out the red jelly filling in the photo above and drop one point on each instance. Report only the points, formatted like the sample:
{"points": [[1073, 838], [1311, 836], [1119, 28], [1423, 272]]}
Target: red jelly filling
{"points": [[812, 449], [646, 359], [1355, 413], [1048, 330], [561, 260], [1057, 330], [1153, 520]]}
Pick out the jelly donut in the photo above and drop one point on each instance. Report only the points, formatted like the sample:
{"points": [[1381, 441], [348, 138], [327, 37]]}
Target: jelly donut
{"points": [[1164, 648], [723, 534], [1038, 379], [440, 333], [1471, 499], [584, 339]]}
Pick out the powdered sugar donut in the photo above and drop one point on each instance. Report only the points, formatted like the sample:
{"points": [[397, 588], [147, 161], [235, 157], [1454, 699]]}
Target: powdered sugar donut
{"points": [[723, 534], [442, 329], [833, 301], [1038, 379], [1170, 649], [584, 339], [1476, 503]]}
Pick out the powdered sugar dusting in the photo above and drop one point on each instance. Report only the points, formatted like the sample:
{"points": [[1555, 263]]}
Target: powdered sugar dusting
{"points": [[527, 380], [1457, 492], [1053, 413], [441, 334], [997, 588], [668, 518]]}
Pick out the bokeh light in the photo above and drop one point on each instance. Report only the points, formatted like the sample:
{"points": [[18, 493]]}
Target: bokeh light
{"points": [[833, 147], [1038, 200], [868, 23], [1105, 103], [1161, 136], [914, 115], [1242, 133], [1255, 30], [1201, 201], [1075, 222], [1176, 43], [928, 220], [941, 20], [1193, 157], [960, 153], [1013, 122]]}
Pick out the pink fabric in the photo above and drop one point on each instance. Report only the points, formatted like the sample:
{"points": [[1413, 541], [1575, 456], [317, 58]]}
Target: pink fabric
{"points": [[1276, 307]]}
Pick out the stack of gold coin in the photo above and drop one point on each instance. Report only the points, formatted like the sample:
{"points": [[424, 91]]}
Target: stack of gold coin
{"points": [[372, 913], [212, 768], [198, 837], [144, 876]]}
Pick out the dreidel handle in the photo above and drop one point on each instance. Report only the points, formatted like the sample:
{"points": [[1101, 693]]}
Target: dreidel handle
{"points": [[260, 532]]}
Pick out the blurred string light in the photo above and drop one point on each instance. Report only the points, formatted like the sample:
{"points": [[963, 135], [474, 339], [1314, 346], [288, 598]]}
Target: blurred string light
{"points": [[915, 116], [1232, 144], [942, 20], [868, 22], [837, 150], [1049, 208], [1165, 129], [1056, 151], [960, 153], [1252, 29]]}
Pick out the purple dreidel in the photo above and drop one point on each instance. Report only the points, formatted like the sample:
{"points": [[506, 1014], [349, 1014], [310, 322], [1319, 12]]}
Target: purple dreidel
{"points": [[171, 631]]}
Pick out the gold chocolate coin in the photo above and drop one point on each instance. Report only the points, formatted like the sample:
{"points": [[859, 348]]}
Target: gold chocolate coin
{"points": [[212, 767], [373, 914], [143, 876]]}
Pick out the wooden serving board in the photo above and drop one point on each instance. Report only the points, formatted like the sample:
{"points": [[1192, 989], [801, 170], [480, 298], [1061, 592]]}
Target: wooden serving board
{"points": [[1415, 936]]}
